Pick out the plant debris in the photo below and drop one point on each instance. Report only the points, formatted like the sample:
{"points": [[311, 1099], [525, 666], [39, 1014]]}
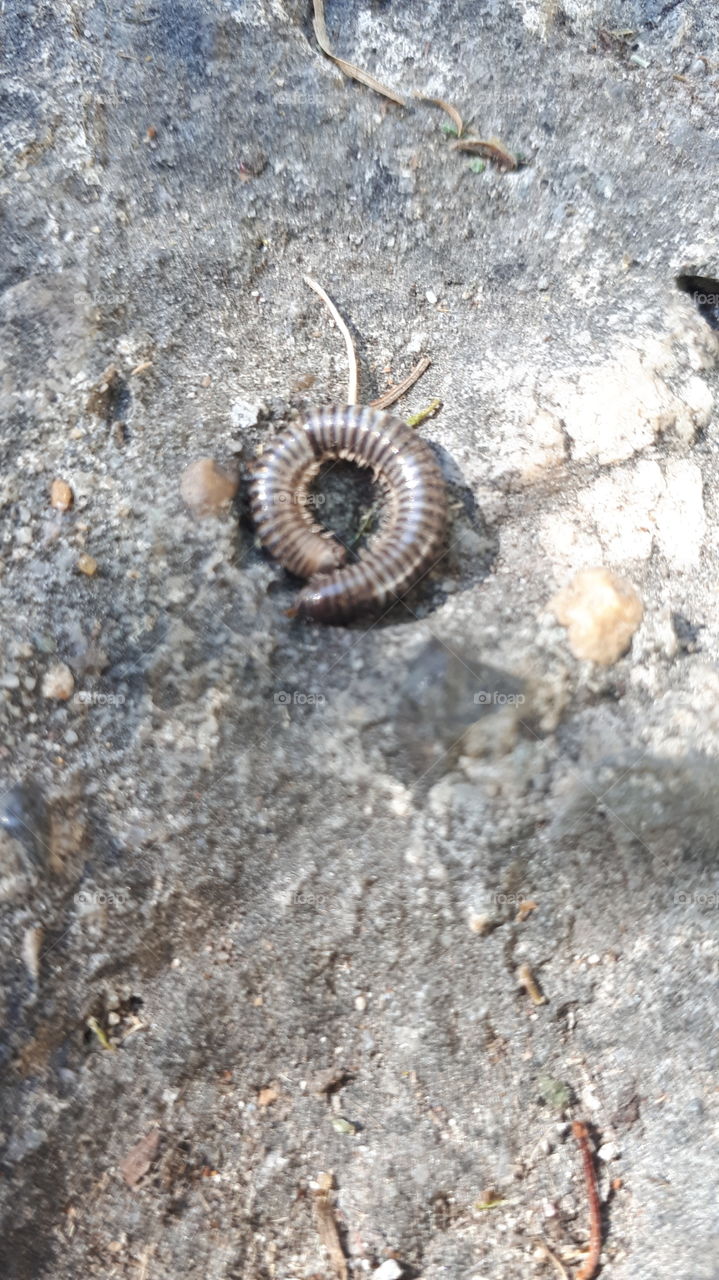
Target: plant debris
{"points": [[526, 979], [354, 73], [101, 1035], [491, 149], [526, 908], [452, 112], [416, 419], [353, 378], [327, 1225], [558, 1266], [588, 1269], [555, 1092], [395, 393]]}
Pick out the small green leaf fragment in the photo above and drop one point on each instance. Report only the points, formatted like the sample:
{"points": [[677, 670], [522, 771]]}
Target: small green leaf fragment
{"points": [[417, 418], [97, 1030], [555, 1092], [477, 166], [340, 1125]]}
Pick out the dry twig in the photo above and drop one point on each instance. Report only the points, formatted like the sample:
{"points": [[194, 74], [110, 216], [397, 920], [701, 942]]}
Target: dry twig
{"points": [[588, 1269], [395, 393]]}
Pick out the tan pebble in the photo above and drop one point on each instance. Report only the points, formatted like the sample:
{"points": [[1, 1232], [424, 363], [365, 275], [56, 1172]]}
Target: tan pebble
{"points": [[58, 682], [206, 488], [481, 924], [601, 612], [60, 495], [87, 565]]}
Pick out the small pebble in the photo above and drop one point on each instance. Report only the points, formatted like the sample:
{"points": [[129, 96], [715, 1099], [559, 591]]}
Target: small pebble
{"points": [[389, 1270], [608, 1151], [87, 565], [601, 612], [360, 1004], [481, 924], [341, 1125], [58, 682], [206, 489], [60, 495]]}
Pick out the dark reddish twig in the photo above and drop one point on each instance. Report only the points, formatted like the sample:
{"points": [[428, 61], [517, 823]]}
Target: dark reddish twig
{"points": [[589, 1267]]}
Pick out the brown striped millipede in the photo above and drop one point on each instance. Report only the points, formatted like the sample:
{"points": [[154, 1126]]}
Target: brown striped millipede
{"points": [[413, 522]]}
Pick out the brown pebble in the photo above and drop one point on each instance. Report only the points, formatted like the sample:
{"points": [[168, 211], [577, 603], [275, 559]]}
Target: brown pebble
{"points": [[481, 924], [206, 489], [58, 682], [267, 1096], [60, 495], [87, 565], [139, 1158], [601, 612]]}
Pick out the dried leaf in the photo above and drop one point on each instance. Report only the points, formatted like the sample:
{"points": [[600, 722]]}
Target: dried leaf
{"points": [[139, 1158], [491, 148], [355, 73], [452, 112]]}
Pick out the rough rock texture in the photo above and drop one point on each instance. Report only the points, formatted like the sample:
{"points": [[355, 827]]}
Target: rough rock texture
{"points": [[257, 877]]}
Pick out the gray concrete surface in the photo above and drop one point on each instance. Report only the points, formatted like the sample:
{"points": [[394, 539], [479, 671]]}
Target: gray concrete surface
{"points": [[317, 894]]}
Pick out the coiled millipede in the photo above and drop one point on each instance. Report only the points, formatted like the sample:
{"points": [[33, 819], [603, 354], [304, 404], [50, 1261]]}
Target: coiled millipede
{"points": [[414, 515], [413, 520]]}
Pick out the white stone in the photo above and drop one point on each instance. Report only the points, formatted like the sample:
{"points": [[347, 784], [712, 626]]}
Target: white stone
{"points": [[244, 413], [389, 1270], [58, 682], [608, 1151]]}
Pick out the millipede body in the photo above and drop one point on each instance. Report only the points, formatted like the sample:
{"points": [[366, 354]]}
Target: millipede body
{"points": [[413, 522]]}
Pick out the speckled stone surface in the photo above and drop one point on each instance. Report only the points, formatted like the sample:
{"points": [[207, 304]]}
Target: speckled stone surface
{"points": [[288, 873]]}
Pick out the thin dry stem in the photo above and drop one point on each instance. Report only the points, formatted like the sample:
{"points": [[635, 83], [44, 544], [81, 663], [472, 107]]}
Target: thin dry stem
{"points": [[395, 393], [353, 380]]}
